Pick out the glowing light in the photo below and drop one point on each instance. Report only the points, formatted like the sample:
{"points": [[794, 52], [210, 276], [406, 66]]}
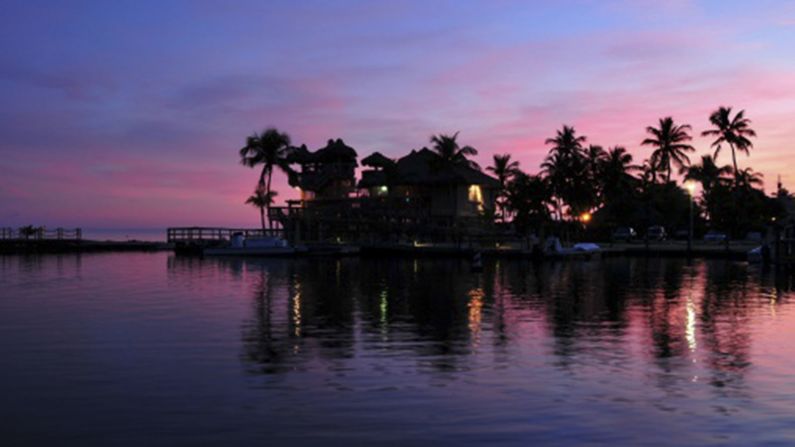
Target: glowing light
{"points": [[296, 310], [475, 312], [690, 327], [383, 307], [585, 217], [691, 187], [475, 194]]}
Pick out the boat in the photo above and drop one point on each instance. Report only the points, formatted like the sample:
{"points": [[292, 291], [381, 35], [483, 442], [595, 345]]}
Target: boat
{"points": [[252, 246], [553, 248]]}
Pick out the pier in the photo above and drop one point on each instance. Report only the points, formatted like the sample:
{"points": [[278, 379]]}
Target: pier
{"points": [[40, 240]]}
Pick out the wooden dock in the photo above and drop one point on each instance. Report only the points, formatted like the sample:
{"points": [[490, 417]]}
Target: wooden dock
{"points": [[40, 234], [193, 240], [40, 240]]}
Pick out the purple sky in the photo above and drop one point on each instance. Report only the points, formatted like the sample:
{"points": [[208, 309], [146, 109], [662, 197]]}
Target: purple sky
{"points": [[130, 114]]}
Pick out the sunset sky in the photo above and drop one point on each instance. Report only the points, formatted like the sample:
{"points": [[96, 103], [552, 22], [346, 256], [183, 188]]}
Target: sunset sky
{"points": [[130, 113]]}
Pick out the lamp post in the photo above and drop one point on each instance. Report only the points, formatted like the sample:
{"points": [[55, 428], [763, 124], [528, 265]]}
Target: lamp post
{"points": [[691, 191]]}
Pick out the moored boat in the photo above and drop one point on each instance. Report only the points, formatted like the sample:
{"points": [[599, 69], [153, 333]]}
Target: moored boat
{"points": [[252, 246]]}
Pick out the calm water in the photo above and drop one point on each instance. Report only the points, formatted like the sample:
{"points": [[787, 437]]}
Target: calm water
{"points": [[152, 349]]}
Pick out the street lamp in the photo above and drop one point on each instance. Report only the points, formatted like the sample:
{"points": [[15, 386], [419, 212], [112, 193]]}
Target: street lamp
{"points": [[691, 191]]}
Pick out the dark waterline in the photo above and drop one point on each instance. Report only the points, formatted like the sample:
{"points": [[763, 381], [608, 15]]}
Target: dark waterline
{"points": [[152, 349], [125, 234]]}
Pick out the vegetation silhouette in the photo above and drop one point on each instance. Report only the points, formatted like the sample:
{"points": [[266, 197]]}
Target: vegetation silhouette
{"points": [[451, 153], [670, 143], [579, 179], [270, 149], [504, 169], [733, 131], [262, 200]]}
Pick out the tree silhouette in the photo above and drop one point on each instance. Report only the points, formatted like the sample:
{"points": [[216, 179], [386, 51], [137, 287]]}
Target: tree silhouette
{"points": [[504, 168], [451, 153], [565, 169], [670, 143], [747, 178], [707, 173], [528, 198], [269, 149], [566, 142], [732, 131], [594, 157], [261, 199], [711, 177], [615, 173]]}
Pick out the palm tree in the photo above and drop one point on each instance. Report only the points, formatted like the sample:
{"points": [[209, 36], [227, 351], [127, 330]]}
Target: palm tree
{"points": [[649, 172], [566, 142], [261, 199], [732, 131], [670, 143], [528, 197], [504, 168], [554, 169], [707, 173], [269, 149], [594, 157], [565, 170], [749, 179], [451, 153], [615, 172]]}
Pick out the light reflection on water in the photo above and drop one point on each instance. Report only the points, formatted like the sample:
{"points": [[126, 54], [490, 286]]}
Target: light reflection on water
{"points": [[161, 350]]}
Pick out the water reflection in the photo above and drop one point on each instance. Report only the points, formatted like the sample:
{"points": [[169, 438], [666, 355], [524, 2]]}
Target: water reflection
{"points": [[693, 319], [617, 350]]}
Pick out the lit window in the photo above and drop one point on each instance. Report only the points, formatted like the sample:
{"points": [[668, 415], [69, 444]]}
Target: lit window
{"points": [[475, 194]]}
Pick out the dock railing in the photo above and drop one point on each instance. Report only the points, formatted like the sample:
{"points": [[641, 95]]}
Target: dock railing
{"points": [[199, 234], [41, 233]]}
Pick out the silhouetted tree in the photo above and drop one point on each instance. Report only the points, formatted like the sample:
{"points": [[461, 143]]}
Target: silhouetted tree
{"points": [[262, 200], [528, 197], [594, 158], [707, 173], [448, 149], [710, 176], [269, 149], [566, 142], [505, 169], [747, 178], [670, 143], [649, 172], [565, 169], [617, 185], [734, 131]]}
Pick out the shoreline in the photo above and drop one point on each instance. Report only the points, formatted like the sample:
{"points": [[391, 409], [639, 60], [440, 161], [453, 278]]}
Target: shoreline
{"points": [[48, 246], [737, 251]]}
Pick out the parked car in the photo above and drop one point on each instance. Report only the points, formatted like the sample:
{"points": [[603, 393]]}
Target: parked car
{"points": [[624, 234], [656, 233], [681, 234], [754, 236], [715, 236]]}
